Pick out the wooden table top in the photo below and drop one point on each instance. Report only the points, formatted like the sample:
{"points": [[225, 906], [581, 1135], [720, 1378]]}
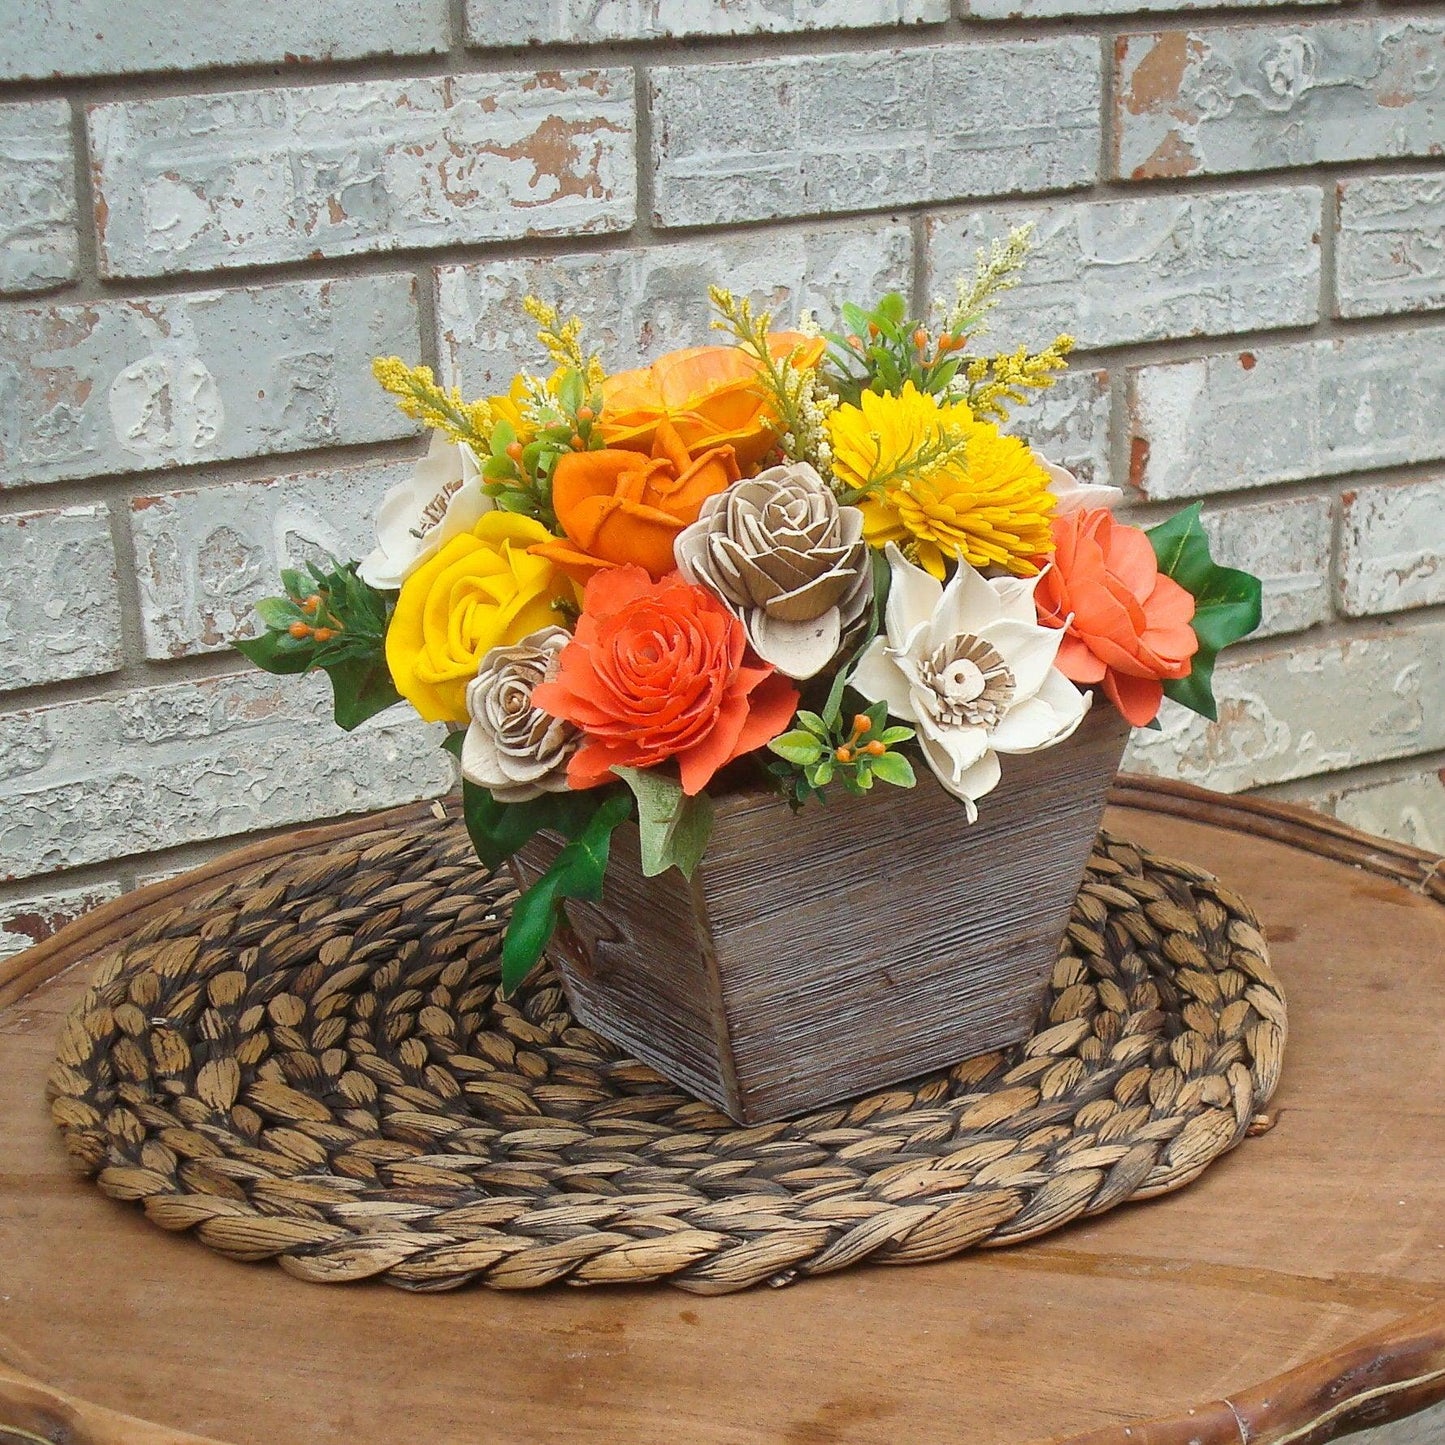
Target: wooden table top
{"points": [[1296, 1290]]}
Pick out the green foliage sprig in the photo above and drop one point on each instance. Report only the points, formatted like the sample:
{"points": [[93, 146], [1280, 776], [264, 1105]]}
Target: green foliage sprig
{"points": [[885, 348], [332, 621]]}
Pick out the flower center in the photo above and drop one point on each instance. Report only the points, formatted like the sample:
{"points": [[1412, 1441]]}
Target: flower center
{"points": [[972, 685]]}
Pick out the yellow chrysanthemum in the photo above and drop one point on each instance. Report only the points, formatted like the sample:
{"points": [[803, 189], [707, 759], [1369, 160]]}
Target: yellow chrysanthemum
{"points": [[942, 484]]}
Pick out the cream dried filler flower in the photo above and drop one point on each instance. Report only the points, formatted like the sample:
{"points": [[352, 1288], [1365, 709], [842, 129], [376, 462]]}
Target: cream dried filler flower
{"points": [[787, 560], [514, 750], [970, 667]]}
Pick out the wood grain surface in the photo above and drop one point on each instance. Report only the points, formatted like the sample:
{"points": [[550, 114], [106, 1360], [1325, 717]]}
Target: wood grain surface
{"points": [[1296, 1291]]}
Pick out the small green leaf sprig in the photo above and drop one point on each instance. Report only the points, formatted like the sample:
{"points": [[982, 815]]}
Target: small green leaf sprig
{"points": [[826, 748]]}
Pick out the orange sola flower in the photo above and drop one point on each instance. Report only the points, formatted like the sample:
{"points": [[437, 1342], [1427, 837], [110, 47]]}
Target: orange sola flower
{"points": [[656, 671], [619, 507], [712, 396], [1127, 626]]}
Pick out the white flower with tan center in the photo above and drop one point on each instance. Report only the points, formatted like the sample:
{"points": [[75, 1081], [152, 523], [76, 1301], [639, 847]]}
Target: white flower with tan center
{"points": [[442, 499], [969, 666]]}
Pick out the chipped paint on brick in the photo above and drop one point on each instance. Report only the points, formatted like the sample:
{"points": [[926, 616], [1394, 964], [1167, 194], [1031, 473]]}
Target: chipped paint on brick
{"points": [[1392, 547], [38, 219]]}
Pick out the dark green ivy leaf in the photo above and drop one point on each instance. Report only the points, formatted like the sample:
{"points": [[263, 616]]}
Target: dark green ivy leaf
{"points": [[498, 830]]}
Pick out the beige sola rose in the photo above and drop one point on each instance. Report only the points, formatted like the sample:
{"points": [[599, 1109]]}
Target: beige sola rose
{"points": [[971, 668], [442, 499], [514, 750], [787, 560]]}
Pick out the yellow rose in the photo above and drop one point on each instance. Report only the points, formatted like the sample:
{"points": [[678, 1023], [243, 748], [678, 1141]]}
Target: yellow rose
{"points": [[482, 590]]}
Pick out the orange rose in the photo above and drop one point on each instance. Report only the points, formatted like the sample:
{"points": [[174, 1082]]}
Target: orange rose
{"points": [[1130, 626], [619, 507], [710, 394], [655, 671]]}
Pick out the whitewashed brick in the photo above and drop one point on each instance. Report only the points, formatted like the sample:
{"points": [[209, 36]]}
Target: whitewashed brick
{"points": [[84, 782], [864, 130], [1392, 548], [637, 303], [1244, 98], [125, 386], [204, 556], [44, 38], [1286, 413], [59, 607], [1312, 708], [1069, 423], [1390, 246], [1112, 272], [1049, 9], [189, 183], [38, 245], [1286, 544], [585, 22], [1410, 808], [31, 920]]}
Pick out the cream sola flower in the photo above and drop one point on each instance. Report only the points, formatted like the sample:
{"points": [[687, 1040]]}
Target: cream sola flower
{"points": [[969, 666], [1071, 495], [442, 499]]}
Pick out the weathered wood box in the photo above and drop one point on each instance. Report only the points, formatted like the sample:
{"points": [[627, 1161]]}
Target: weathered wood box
{"points": [[816, 956]]}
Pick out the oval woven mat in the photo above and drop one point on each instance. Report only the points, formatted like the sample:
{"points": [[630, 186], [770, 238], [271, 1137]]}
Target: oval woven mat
{"points": [[311, 1065]]}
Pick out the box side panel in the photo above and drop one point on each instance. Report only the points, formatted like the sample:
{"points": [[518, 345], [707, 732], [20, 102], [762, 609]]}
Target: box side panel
{"points": [[885, 936], [634, 967]]}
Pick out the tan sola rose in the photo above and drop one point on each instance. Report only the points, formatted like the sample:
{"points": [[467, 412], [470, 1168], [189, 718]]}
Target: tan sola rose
{"points": [[787, 560], [514, 750]]}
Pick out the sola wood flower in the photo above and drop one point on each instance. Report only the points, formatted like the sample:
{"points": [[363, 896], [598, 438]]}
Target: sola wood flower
{"points": [[1072, 495], [1125, 625], [970, 666], [512, 748], [656, 671], [442, 499], [787, 561]]}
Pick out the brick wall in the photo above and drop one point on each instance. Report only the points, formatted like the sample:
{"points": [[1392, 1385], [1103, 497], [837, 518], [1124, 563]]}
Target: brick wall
{"points": [[213, 214]]}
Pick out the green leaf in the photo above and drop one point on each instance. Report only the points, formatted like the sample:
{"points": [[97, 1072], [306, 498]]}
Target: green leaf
{"points": [[503, 435], [810, 722], [360, 688], [820, 774], [279, 612], [577, 872], [1227, 603], [894, 768], [269, 651], [674, 827], [453, 741], [797, 747], [497, 830], [892, 308], [877, 715], [569, 391], [889, 736], [499, 469]]}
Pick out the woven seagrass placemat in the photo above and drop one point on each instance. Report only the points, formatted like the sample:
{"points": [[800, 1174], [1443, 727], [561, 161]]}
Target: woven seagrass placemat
{"points": [[311, 1065]]}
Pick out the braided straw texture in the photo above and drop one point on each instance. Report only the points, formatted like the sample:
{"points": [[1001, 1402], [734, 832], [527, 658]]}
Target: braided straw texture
{"points": [[311, 1065]]}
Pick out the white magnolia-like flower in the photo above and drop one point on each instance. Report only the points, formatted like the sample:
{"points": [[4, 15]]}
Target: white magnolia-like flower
{"points": [[969, 666], [443, 499], [1075, 496], [513, 749]]}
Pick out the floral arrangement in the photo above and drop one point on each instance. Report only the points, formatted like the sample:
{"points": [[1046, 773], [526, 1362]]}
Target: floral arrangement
{"points": [[805, 560]]}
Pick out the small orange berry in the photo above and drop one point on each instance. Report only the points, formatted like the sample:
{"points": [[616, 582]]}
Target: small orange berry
{"points": [[578, 444], [324, 634], [875, 749], [920, 338], [844, 755], [873, 328], [515, 451], [862, 722], [300, 629], [311, 603], [585, 413], [856, 342]]}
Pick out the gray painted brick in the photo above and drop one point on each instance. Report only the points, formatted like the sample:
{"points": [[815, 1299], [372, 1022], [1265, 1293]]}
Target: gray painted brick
{"points": [[1048, 9], [44, 38], [1112, 272], [122, 386], [585, 22], [1390, 246], [1310, 708], [134, 772], [38, 246], [865, 130], [1392, 547], [1409, 808], [190, 183], [32, 919], [1243, 98], [204, 556], [1069, 423], [637, 303], [59, 607], [1286, 413], [1286, 544]]}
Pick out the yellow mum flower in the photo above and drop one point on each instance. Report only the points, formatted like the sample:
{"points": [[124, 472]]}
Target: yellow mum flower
{"points": [[941, 484], [483, 589]]}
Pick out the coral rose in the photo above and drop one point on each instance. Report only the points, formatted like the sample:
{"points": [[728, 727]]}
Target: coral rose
{"points": [[710, 394], [1130, 624], [619, 507], [656, 671], [481, 590]]}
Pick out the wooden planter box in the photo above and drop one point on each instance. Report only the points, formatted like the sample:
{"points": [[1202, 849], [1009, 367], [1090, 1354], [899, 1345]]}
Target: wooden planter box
{"points": [[816, 956]]}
